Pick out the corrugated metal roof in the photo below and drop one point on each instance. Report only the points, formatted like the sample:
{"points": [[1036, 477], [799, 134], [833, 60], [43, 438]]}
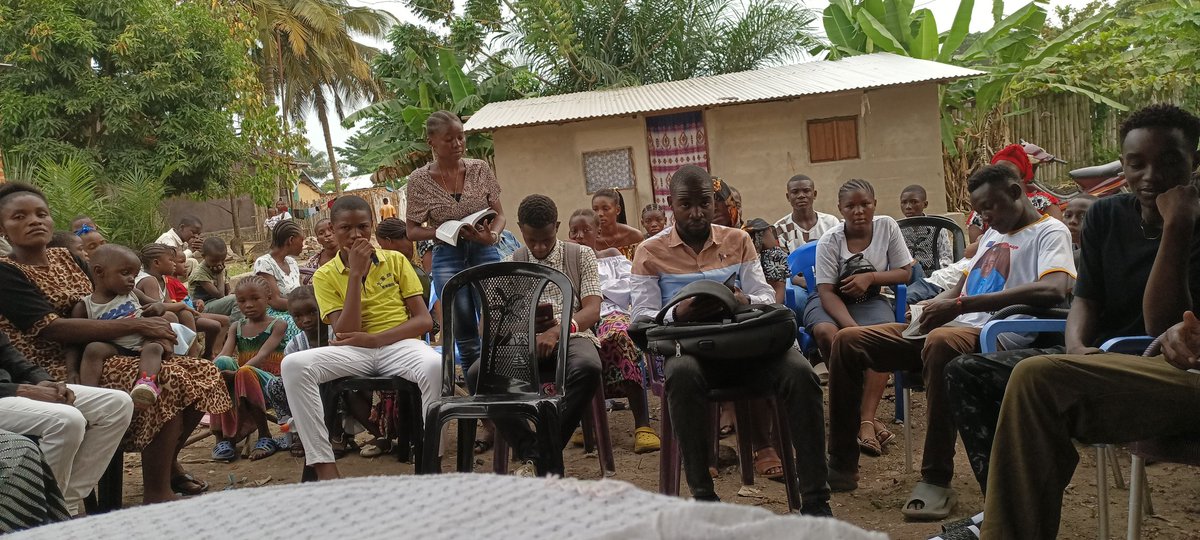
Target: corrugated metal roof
{"points": [[362, 181], [768, 84]]}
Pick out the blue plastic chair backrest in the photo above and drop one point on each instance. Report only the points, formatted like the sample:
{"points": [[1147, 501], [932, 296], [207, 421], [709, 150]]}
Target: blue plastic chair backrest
{"points": [[803, 261], [1127, 345]]}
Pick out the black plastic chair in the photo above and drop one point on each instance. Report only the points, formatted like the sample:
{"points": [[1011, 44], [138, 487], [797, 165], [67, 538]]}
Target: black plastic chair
{"points": [[927, 249], [596, 438], [109, 491], [670, 459], [509, 383], [408, 401]]}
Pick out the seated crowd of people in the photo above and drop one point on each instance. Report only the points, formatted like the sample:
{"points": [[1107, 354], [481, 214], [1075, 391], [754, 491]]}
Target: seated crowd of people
{"points": [[107, 349]]}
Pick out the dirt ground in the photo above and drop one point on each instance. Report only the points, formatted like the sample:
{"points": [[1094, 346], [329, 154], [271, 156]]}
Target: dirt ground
{"points": [[875, 505]]}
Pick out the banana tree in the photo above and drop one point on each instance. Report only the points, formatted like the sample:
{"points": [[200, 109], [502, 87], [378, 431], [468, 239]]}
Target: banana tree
{"points": [[1012, 53], [422, 76]]}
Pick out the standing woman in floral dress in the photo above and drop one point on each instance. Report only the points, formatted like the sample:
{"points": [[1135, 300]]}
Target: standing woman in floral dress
{"points": [[453, 187]]}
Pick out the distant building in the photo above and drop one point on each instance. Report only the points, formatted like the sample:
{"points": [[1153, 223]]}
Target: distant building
{"points": [[872, 116]]}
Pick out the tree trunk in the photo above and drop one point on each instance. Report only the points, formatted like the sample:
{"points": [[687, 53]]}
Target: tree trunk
{"points": [[236, 244], [323, 117]]}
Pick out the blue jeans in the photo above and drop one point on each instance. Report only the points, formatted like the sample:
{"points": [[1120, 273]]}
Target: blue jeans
{"points": [[447, 261]]}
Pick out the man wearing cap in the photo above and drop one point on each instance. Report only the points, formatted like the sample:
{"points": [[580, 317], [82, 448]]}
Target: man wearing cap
{"points": [[1023, 158]]}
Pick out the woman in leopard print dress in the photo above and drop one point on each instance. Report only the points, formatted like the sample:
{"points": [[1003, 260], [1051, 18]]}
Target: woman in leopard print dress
{"points": [[41, 285]]}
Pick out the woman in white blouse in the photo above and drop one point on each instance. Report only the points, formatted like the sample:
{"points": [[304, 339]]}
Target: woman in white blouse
{"points": [[619, 357], [279, 266]]}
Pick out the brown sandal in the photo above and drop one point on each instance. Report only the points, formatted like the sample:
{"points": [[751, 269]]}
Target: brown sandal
{"points": [[870, 446], [882, 434], [767, 464], [297, 448], [343, 445]]}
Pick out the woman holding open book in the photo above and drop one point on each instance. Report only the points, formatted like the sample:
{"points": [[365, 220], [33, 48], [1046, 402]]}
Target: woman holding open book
{"points": [[449, 189]]}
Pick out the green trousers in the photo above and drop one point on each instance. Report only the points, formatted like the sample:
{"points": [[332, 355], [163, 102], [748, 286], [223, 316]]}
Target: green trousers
{"points": [[1050, 400]]}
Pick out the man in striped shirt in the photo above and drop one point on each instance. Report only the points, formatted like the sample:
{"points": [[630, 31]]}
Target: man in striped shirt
{"points": [[696, 249]]}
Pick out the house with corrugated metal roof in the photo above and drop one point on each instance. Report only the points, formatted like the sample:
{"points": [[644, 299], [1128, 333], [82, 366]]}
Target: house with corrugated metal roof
{"points": [[872, 116]]}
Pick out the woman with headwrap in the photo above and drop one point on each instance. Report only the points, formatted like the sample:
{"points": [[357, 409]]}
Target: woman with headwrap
{"points": [[727, 208]]}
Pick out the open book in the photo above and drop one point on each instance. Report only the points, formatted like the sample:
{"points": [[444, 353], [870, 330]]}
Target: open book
{"points": [[448, 232], [914, 328]]}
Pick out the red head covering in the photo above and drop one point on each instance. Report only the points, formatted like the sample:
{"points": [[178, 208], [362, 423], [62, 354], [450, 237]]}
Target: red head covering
{"points": [[1015, 154]]}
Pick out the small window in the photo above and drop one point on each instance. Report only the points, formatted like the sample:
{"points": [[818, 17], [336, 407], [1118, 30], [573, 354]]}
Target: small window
{"points": [[608, 169], [833, 139]]}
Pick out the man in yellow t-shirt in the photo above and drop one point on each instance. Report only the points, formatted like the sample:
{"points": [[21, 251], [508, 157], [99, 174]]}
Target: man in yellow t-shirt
{"points": [[372, 299], [387, 210]]}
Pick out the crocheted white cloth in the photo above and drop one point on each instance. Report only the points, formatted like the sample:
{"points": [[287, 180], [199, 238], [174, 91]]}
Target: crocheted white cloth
{"points": [[448, 506]]}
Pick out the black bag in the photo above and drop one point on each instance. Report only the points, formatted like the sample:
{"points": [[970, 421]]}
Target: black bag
{"points": [[857, 264], [744, 332]]}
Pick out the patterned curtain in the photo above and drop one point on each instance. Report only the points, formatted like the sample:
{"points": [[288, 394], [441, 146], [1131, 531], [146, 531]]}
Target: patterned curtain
{"points": [[675, 140]]}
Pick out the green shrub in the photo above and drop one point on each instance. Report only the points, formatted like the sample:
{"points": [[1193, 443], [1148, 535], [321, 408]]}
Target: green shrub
{"points": [[127, 208]]}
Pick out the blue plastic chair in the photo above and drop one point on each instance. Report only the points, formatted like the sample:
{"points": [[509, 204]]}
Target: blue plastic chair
{"points": [[989, 336], [804, 261], [1128, 345], [988, 343], [801, 261]]}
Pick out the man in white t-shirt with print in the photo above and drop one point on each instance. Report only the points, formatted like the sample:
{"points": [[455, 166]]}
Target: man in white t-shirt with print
{"points": [[1023, 258]]}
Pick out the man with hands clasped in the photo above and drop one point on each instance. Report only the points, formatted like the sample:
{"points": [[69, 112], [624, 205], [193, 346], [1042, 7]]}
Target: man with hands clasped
{"points": [[372, 299], [697, 249]]}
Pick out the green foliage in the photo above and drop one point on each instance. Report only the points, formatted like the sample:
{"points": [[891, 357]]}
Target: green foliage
{"points": [[1146, 52], [120, 85], [1017, 55], [308, 58], [423, 75], [546, 47], [126, 207], [577, 45], [318, 163], [135, 217]]}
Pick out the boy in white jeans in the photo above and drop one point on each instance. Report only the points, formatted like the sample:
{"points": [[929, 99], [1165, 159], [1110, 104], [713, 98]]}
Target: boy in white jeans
{"points": [[372, 299]]}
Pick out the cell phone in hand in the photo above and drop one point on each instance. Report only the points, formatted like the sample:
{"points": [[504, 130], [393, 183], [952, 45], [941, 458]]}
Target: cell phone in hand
{"points": [[545, 310], [730, 281]]}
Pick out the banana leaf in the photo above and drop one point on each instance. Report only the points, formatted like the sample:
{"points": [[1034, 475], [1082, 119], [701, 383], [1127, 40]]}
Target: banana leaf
{"points": [[879, 34], [958, 30], [925, 42]]}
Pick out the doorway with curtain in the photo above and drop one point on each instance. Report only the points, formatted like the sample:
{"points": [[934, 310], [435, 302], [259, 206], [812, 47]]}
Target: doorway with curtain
{"points": [[674, 140]]}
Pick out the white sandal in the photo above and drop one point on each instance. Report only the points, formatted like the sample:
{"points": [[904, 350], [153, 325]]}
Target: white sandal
{"points": [[936, 502], [374, 449]]}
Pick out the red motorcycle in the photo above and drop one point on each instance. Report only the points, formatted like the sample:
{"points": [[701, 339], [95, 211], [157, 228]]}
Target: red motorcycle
{"points": [[1097, 180]]}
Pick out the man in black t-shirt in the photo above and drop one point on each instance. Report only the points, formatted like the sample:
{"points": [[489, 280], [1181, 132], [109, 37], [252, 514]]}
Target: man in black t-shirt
{"points": [[1140, 272]]}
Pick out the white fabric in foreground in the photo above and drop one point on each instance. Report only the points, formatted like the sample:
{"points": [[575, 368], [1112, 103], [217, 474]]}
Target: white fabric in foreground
{"points": [[436, 506]]}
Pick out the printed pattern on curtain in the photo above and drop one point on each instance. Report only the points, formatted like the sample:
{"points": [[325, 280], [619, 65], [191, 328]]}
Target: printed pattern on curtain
{"points": [[674, 140]]}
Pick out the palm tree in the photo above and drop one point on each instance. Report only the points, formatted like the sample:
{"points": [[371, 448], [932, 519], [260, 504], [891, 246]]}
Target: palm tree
{"points": [[576, 45], [308, 55]]}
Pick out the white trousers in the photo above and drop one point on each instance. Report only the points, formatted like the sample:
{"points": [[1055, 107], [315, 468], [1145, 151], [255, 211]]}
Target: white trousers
{"points": [[77, 440], [303, 373]]}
